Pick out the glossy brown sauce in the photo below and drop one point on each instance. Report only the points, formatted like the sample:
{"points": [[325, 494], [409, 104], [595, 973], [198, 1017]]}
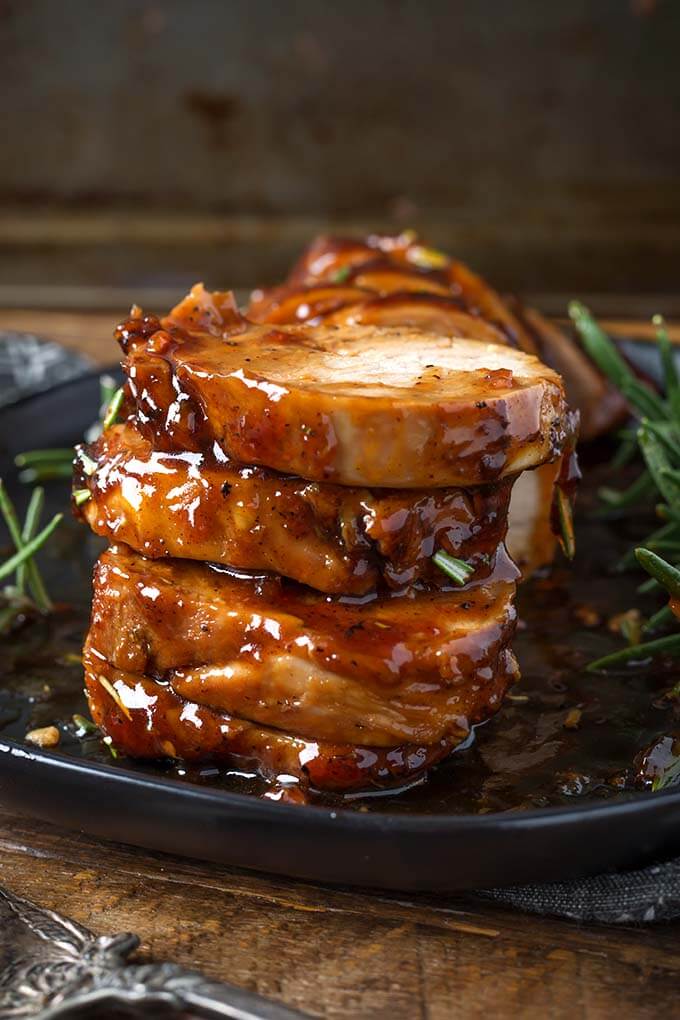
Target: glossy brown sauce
{"points": [[299, 407], [202, 506], [527, 756]]}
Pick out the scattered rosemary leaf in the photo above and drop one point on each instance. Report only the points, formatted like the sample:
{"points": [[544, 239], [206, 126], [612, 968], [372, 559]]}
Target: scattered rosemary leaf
{"points": [[28, 550], [29, 570], [670, 372], [107, 391], [108, 741], [661, 619], [658, 464], [458, 570], [72, 659], [111, 416], [88, 465], [84, 725], [566, 521], [427, 258], [340, 275], [45, 473], [81, 496], [642, 488], [55, 456]]}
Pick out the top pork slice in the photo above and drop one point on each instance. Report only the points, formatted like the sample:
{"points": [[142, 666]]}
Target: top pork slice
{"points": [[353, 405]]}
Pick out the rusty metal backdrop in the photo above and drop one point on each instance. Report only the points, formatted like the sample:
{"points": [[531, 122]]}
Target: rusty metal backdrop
{"points": [[158, 141]]}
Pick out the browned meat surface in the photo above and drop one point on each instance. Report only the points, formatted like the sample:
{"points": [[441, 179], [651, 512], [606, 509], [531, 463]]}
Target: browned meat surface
{"points": [[356, 406], [396, 281], [381, 671], [160, 724], [336, 539]]}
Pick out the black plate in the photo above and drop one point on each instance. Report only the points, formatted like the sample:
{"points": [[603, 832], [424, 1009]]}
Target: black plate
{"points": [[383, 846]]}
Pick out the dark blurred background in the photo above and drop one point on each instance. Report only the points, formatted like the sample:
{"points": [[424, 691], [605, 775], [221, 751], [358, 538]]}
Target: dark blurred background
{"points": [[149, 144]]}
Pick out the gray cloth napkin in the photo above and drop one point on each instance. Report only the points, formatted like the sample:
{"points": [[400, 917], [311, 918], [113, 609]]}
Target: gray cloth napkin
{"points": [[651, 894], [29, 365]]}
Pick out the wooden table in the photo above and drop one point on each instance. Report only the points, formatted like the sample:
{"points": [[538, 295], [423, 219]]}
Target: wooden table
{"points": [[335, 952]]}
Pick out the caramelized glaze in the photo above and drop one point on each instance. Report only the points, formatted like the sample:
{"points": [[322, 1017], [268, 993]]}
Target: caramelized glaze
{"points": [[162, 725], [149, 616], [203, 506], [351, 405]]}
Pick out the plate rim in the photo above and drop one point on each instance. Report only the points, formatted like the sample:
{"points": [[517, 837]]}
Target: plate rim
{"points": [[638, 803]]}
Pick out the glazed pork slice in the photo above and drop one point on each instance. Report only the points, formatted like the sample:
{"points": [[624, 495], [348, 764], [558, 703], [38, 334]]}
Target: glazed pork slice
{"points": [[356, 406], [398, 281], [147, 719], [336, 539], [381, 671]]}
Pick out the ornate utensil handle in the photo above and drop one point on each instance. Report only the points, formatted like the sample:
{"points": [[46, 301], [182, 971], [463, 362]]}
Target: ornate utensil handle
{"points": [[53, 968]]}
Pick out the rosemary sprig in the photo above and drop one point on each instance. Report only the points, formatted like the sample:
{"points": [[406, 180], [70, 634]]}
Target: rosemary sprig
{"points": [[459, 571], [604, 353], [658, 440], [25, 552], [33, 457], [27, 540], [81, 496], [29, 571]]}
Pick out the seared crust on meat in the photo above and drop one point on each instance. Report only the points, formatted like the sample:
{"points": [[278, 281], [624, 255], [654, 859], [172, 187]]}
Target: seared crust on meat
{"points": [[337, 539], [356, 406], [382, 671]]}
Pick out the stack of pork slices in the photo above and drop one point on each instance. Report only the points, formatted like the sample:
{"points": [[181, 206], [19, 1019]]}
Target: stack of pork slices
{"points": [[307, 574]]}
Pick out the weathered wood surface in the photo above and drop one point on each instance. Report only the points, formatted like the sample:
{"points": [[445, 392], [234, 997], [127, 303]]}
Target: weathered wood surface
{"points": [[344, 953]]}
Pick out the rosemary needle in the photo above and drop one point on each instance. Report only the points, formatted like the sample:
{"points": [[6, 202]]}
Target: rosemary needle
{"points": [[458, 570], [28, 550], [30, 567], [637, 653], [111, 415]]}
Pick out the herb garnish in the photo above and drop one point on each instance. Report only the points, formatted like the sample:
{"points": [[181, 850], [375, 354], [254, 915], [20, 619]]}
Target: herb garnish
{"points": [[458, 570], [111, 416], [340, 275], [28, 590], [43, 465], [657, 439]]}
